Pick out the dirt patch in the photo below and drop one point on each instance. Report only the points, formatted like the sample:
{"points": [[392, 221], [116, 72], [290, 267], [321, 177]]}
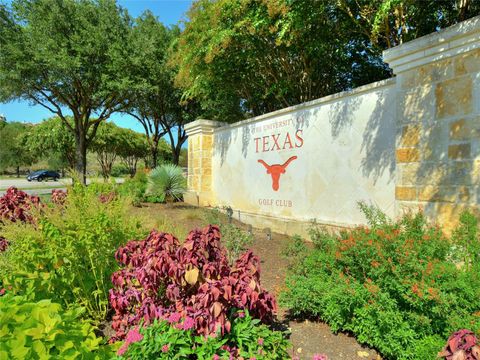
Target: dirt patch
{"points": [[308, 337]]}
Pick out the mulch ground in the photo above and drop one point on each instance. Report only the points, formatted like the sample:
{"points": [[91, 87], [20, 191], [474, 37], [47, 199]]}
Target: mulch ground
{"points": [[308, 337]]}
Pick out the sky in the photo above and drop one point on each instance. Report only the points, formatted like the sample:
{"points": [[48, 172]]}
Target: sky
{"points": [[168, 11]]}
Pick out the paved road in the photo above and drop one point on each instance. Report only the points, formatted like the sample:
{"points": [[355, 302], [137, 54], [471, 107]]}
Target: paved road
{"points": [[35, 187]]}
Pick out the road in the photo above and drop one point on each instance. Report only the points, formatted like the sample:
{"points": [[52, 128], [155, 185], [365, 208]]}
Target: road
{"points": [[43, 187]]}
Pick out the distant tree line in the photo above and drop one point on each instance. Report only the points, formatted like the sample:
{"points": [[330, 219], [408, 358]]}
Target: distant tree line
{"points": [[23, 145], [84, 60]]}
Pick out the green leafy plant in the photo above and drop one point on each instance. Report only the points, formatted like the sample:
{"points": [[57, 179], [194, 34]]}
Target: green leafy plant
{"points": [[393, 284], [44, 330], [166, 183], [467, 240], [68, 254], [167, 340], [235, 239], [134, 187]]}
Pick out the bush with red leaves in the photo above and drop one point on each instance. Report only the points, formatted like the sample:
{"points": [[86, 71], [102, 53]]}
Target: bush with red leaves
{"points": [[163, 278], [15, 205], [59, 196], [461, 345], [3, 244], [108, 197]]}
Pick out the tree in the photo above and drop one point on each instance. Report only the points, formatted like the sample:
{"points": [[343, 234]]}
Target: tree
{"points": [[67, 56], [242, 58], [155, 101], [388, 23], [13, 151], [106, 146], [134, 147], [52, 139]]}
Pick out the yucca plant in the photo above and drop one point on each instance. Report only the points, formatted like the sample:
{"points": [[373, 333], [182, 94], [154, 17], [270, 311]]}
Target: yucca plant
{"points": [[166, 183]]}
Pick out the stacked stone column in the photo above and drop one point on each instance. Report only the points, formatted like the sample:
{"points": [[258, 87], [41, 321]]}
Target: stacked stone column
{"points": [[438, 123], [200, 152]]}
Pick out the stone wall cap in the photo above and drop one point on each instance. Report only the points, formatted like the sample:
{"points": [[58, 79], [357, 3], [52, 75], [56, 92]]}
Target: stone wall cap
{"points": [[202, 126], [447, 42]]}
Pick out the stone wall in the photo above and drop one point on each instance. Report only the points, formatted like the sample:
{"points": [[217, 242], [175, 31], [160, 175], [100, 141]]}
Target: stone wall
{"points": [[438, 122], [408, 143]]}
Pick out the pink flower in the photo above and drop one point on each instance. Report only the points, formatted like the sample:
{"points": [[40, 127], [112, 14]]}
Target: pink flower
{"points": [[320, 357], [174, 318], [260, 341], [241, 314], [188, 324], [122, 349], [165, 348], [133, 336], [216, 357]]}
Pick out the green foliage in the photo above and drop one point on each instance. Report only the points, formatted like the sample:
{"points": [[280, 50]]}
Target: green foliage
{"points": [[393, 285], [235, 240], [247, 339], [54, 141], [68, 254], [154, 100], [13, 152], [166, 183], [467, 240], [135, 187], [43, 330], [295, 250], [66, 56]]}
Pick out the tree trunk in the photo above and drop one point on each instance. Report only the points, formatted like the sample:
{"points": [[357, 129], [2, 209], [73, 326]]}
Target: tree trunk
{"points": [[18, 171], [81, 156], [154, 150], [176, 154]]}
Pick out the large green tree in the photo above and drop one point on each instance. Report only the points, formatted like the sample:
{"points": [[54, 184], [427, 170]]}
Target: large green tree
{"points": [[134, 148], [154, 100], [13, 151], [247, 57], [67, 56], [52, 139]]}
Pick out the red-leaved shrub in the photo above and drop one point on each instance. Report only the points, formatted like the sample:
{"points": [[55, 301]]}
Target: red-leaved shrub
{"points": [[162, 278], [59, 196], [461, 345], [3, 244], [15, 205]]}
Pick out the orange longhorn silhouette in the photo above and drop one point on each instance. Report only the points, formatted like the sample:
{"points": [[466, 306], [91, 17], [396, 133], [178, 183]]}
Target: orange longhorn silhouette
{"points": [[276, 170]]}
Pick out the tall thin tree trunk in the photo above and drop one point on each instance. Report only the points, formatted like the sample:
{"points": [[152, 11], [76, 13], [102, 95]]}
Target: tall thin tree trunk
{"points": [[18, 171], [154, 150], [81, 157]]}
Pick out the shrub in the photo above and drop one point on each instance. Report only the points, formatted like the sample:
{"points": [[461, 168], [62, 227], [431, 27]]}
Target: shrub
{"points": [[17, 205], [134, 187], [59, 196], [68, 255], [163, 278], [166, 183], [234, 238], [3, 244], [392, 284], [43, 330], [165, 340], [461, 345]]}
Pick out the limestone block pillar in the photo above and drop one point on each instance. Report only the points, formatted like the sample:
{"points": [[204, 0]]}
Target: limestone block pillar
{"points": [[438, 122], [200, 151]]}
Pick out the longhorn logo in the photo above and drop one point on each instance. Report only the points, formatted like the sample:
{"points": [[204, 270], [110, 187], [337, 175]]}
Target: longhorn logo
{"points": [[276, 170]]}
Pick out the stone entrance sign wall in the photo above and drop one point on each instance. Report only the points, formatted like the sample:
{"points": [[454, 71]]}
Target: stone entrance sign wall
{"points": [[409, 142]]}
